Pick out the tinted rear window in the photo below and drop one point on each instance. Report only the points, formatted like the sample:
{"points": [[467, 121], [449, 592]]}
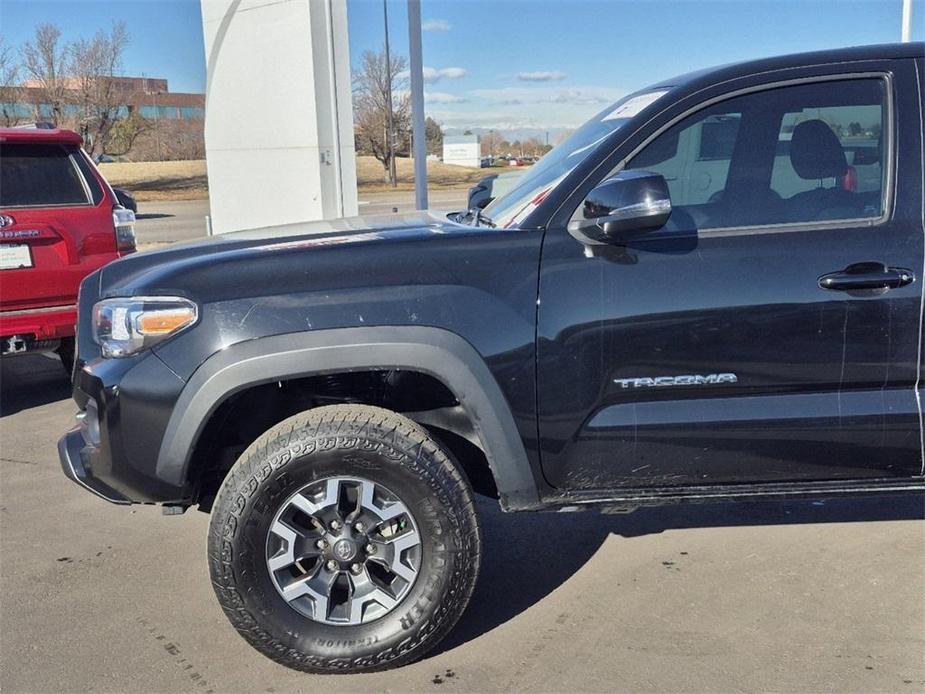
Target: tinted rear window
{"points": [[38, 175]]}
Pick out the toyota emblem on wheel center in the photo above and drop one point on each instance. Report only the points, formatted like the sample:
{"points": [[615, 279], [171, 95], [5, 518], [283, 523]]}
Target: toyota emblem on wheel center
{"points": [[344, 550]]}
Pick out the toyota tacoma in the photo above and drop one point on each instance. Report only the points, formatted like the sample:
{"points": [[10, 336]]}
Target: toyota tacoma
{"points": [[711, 290]]}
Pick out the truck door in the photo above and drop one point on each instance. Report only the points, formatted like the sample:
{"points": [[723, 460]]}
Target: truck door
{"points": [[770, 332]]}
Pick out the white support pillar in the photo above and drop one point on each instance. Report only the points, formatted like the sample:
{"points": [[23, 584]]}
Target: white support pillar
{"points": [[279, 116], [907, 21]]}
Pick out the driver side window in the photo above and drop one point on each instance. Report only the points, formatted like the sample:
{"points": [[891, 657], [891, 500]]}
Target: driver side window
{"points": [[695, 158], [805, 153]]}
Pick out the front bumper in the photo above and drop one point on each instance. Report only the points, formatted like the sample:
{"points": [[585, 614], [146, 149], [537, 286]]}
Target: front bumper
{"points": [[76, 455], [125, 405]]}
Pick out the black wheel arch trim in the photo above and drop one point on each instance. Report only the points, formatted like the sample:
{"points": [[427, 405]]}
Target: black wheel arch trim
{"points": [[437, 352]]}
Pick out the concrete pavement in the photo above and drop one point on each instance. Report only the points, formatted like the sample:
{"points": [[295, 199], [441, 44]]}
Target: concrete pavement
{"points": [[795, 597]]}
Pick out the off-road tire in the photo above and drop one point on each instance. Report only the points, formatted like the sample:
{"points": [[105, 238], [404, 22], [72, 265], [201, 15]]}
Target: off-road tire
{"points": [[344, 440]]}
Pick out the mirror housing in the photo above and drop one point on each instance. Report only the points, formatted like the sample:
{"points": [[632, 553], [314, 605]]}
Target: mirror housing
{"points": [[480, 194], [622, 208]]}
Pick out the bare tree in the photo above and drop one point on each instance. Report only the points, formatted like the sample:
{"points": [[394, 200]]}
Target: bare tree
{"points": [[532, 146], [80, 87], [100, 96], [123, 134], [491, 143], [370, 104], [45, 63], [10, 91]]}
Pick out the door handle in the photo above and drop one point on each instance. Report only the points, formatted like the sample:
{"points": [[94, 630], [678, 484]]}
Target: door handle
{"points": [[867, 276]]}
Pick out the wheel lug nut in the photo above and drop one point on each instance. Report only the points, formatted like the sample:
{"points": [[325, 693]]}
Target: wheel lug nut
{"points": [[355, 568], [370, 548], [331, 565], [359, 527], [321, 544], [335, 525]]}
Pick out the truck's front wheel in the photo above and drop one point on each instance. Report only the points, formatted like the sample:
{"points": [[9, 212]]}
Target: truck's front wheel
{"points": [[344, 539]]}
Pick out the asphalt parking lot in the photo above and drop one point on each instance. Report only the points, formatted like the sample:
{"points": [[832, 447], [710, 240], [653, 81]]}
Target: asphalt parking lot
{"points": [[170, 221], [824, 596]]}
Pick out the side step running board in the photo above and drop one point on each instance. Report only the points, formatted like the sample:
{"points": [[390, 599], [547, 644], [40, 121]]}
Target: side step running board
{"points": [[626, 500]]}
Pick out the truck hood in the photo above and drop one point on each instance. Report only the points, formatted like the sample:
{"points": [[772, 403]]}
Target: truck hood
{"points": [[417, 269], [162, 271]]}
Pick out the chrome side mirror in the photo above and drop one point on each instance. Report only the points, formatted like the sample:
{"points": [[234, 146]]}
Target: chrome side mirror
{"points": [[625, 206]]}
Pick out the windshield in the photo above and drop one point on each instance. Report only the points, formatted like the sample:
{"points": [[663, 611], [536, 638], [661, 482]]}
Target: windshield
{"points": [[510, 209]]}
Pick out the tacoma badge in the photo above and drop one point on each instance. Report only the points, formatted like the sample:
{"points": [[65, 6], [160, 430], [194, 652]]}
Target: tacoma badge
{"points": [[688, 380]]}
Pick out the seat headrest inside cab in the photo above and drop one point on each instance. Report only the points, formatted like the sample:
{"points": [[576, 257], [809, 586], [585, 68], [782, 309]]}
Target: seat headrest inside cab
{"points": [[815, 151]]}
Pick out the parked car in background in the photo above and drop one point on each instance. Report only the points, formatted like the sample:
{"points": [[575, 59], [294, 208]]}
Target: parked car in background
{"points": [[59, 221], [126, 199]]}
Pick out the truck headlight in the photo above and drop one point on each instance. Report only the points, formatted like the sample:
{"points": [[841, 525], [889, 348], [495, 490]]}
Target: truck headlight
{"points": [[123, 327]]}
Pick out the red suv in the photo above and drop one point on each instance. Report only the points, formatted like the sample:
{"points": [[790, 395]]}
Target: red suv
{"points": [[59, 221]]}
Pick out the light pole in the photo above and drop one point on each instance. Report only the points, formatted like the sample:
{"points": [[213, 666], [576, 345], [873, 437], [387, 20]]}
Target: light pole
{"points": [[388, 118], [907, 21], [419, 140]]}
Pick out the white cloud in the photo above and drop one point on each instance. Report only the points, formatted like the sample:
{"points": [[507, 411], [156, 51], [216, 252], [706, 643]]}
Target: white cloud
{"points": [[590, 95], [541, 76], [442, 98], [509, 108], [436, 25], [432, 74], [453, 72], [489, 120]]}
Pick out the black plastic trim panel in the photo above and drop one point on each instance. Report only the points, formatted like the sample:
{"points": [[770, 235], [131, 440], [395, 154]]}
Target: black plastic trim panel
{"points": [[433, 351]]}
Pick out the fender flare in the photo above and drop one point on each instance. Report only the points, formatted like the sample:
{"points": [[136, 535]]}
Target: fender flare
{"points": [[434, 351]]}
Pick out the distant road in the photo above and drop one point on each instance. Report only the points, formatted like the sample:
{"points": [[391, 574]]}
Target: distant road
{"points": [[383, 203], [168, 221], [162, 222]]}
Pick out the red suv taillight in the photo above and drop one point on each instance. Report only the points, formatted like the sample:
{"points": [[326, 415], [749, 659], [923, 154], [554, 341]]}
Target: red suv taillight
{"points": [[124, 222]]}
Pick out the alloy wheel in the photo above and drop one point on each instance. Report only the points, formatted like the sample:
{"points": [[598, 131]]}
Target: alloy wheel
{"points": [[343, 551]]}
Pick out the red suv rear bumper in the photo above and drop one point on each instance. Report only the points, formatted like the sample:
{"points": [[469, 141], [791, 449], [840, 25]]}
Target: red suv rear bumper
{"points": [[51, 323]]}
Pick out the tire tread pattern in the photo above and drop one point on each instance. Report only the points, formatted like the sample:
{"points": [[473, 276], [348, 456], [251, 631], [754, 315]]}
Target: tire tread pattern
{"points": [[344, 425]]}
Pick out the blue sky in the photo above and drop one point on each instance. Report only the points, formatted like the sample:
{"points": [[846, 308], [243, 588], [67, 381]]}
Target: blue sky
{"points": [[166, 35], [523, 64], [511, 64]]}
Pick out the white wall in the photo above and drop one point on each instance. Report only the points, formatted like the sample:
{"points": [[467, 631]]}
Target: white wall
{"points": [[461, 150], [279, 117]]}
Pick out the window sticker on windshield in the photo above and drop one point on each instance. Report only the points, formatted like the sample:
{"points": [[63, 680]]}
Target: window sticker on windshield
{"points": [[634, 105]]}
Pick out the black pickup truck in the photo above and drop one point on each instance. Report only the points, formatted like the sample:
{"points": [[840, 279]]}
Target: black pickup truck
{"points": [[711, 290]]}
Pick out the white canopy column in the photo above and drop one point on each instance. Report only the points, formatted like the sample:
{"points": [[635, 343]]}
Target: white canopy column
{"points": [[279, 117]]}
